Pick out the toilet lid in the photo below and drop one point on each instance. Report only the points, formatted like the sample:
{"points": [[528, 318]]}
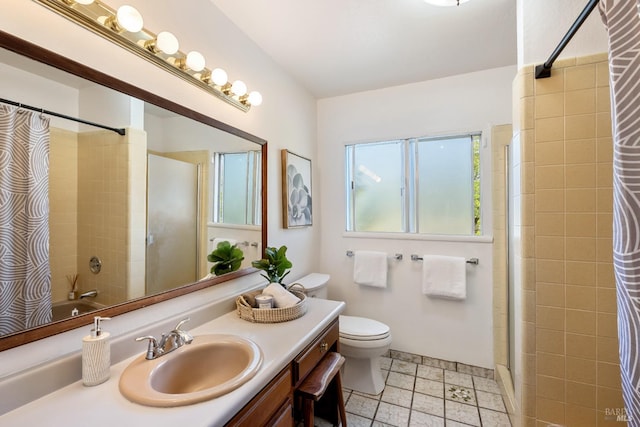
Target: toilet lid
{"points": [[362, 329]]}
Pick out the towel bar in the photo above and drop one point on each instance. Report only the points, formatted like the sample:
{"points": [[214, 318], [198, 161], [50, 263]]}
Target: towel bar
{"points": [[397, 257], [474, 261]]}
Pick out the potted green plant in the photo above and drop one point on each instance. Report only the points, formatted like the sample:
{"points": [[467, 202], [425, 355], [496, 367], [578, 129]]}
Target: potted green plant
{"points": [[275, 264], [225, 258]]}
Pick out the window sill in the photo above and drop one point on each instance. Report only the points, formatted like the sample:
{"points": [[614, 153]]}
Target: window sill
{"points": [[420, 237], [234, 226]]}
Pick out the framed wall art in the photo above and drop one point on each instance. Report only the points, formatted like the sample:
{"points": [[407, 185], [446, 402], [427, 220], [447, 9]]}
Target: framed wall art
{"points": [[296, 191]]}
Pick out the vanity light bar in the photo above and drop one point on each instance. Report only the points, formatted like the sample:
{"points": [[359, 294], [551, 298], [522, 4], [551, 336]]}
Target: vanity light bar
{"points": [[124, 27]]}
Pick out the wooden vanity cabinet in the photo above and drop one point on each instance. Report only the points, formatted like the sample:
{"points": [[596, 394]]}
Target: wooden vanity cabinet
{"points": [[274, 405]]}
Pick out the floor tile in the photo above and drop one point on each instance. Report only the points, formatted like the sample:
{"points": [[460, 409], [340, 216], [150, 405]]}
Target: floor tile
{"points": [[397, 396], [452, 423], [463, 413], [407, 357], [420, 419], [430, 387], [392, 414], [486, 384], [457, 378], [438, 363], [431, 373], [400, 380], [428, 404], [361, 405], [474, 370], [385, 363], [494, 419], [490, 401], [460, 394], [404, 367], [358, 421]]}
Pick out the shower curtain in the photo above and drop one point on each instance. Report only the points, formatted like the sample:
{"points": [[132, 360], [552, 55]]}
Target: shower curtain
{"points": [[25, 277], [622, 21]]}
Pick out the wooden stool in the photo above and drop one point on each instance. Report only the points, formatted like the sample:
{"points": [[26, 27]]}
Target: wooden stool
{"points": [[326, 373]]}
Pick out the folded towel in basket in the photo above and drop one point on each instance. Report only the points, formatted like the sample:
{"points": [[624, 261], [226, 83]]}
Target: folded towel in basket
{"points": [[282, 298]]}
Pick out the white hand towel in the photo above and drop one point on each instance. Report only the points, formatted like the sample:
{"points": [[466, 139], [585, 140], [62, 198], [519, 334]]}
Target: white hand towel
{"points": [[282, 298], [370, 268], [444, 276]]}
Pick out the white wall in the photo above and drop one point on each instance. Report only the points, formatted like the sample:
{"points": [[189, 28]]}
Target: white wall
{"points": [[543, 23], [287, 118], [456, 331]]}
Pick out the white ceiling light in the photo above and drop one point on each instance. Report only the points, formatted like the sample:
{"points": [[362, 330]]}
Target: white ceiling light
{"points": [[446, 2]]}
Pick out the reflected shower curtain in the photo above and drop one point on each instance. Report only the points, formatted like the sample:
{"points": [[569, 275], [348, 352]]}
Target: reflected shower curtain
{"points": [[25, 277], [622, 21]]}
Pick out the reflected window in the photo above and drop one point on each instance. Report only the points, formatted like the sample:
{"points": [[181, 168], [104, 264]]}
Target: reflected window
{"points": [[422, 185], [237, 197]]}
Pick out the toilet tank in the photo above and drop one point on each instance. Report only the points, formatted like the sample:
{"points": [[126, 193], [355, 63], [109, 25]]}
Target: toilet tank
{"points": [[315, 284]]}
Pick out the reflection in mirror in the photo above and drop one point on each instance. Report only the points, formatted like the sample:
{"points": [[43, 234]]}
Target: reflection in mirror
{"points": [[133, 217]]}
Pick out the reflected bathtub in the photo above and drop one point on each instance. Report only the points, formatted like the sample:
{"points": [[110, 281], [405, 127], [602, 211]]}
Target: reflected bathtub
{"points": [[65, 309]]}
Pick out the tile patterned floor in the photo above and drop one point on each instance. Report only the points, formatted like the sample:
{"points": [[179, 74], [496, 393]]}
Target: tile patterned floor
{"points": [[421, 391]]}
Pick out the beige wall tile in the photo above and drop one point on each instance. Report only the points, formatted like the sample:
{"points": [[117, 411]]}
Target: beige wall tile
{"points": [[604, 249], [581, 322], [607, 300], [550, 341], [529, 338], [603, 99], [551, 200], [580, 200], [550, 105], [550, 294], [549, 177], [549, 271], [603, 125], [581, 249], [580, 151], [604, 150], [529, 306], [602, 74], [581, 126], [550, 318], [604, 226], [553, 84], [581, 370], [580, 101], [607, 325], [580, 77], [580, 175], [607, 349], [550, 411], [550, 387], [604, 200], [609, 398], [604, 275], [604, 175], [551, 129], [579, 416], [581, 273], [550, 224], [581, 225], [581, 297], [581, 394], [549, 247], [549, 153], [551, 365], [609, 375], [583, 346]]}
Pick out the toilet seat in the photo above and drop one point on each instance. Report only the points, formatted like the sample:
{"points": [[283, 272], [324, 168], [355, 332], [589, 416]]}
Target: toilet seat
{"points": [[362, 329]]}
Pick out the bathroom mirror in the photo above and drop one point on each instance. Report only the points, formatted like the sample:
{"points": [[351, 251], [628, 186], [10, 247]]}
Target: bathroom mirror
{"points": [[162, 136]]}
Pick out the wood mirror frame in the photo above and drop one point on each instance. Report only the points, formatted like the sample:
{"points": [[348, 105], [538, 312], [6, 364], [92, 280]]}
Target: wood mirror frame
{"points": [[37, 53]]}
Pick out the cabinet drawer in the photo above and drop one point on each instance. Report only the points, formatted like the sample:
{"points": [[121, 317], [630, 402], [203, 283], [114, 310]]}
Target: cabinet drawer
{"points": [[266, 403], [310, 356]]}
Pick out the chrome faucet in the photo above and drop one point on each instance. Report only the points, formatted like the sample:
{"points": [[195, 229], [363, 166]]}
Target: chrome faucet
{"points": [[92, 293], [168, 342]]}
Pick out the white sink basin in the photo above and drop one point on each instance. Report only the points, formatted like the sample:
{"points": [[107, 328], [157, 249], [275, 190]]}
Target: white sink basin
{"points": [[211, 366]]}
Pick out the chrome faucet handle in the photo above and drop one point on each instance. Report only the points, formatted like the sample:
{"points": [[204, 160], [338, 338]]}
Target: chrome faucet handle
{"points": [[184, 336], [182, 322], [151, 348]]}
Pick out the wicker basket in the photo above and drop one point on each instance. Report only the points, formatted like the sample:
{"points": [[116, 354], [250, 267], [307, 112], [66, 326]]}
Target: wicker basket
{"points": [[272, 315]]}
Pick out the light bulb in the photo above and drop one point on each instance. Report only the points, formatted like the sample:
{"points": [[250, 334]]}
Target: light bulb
{"points": [[167, 42], [219, 77], [255, 98], [195, 61], [129, 18], [239, 88]]}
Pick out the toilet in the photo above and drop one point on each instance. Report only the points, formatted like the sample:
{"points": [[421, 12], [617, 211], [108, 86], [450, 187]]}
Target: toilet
{"points": [[362, 342]]}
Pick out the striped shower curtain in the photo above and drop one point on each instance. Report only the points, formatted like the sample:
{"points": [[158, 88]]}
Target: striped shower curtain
{"points": [[622, 21], [25, 277]]}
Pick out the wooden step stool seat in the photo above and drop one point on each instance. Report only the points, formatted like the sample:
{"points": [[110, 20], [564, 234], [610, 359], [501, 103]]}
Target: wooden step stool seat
{"points": [[326, 373]]}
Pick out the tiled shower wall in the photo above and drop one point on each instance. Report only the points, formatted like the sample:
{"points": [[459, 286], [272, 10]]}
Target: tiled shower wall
{"points": [[570, 369]]}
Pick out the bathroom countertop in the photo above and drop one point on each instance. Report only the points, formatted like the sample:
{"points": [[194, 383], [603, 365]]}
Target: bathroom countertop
{"points": [[103, 405]]}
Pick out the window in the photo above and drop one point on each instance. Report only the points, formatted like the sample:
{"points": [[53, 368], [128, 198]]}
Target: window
{"points": [[422, 185], [237, 188]]}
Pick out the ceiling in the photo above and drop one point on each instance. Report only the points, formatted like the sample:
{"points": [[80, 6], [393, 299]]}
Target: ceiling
{"points": [[337, 47]]}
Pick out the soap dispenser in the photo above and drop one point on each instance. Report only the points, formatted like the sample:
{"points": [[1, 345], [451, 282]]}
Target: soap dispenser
{"points": [[96, 355]]}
